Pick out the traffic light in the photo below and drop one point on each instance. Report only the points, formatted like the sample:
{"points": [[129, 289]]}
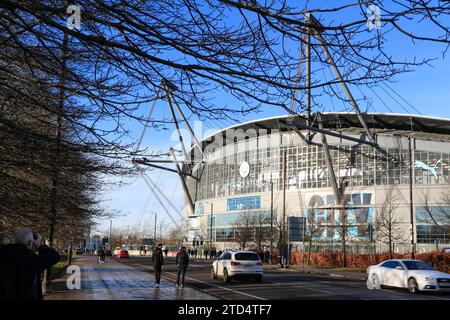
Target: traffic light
{"points": [[201, 242]]}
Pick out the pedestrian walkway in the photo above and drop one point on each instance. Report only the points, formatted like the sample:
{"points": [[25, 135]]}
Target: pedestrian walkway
{"points": [[117, 281]]}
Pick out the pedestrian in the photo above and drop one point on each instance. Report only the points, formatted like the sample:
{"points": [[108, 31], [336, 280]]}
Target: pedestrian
{"points": [[21, 267], [182, 261], [166, 251], [195, 253], [158, 260]]}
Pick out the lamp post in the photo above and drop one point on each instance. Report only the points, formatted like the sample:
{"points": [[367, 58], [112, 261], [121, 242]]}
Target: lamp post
{"points": [[210, 230], [154, 235], [271, 218], [411, 199]]}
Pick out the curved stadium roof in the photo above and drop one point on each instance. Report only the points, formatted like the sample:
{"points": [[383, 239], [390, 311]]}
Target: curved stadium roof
{"points": [[424, 127]]}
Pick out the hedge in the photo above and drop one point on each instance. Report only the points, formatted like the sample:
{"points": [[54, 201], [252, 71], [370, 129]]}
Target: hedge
{"points": [[440, 261]]}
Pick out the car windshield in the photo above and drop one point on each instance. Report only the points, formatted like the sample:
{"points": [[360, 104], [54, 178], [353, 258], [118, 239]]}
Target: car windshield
{"points": [[246, 256], [417, 265]]}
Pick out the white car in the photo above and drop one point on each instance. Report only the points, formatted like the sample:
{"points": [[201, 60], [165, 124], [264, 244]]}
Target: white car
{"points": [[415, 275], [234, 264]]}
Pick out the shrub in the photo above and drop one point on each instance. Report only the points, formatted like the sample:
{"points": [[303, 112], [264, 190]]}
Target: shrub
{"points": [[438, 260]]}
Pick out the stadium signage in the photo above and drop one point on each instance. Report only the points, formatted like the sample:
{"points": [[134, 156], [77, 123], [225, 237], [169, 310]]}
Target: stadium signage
{"points": [[245, 184]]}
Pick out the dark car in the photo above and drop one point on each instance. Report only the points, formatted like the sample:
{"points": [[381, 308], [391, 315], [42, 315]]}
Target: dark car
{"points": [[79, 251], [108, 253]]}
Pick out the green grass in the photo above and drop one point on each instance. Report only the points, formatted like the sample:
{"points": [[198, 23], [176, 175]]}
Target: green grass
{"points": [[60, 268]]}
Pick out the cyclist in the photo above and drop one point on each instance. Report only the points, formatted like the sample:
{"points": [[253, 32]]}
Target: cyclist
{"points": [[101, 255]]}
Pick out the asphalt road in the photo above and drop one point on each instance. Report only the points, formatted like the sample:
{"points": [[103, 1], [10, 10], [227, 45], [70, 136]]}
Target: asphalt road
{"points": [[279, 284]]}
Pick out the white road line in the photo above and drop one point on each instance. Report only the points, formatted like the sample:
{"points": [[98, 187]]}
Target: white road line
{"points": [[214, 285], [308, 288]]}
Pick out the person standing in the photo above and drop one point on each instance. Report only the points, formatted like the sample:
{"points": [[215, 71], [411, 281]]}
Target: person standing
{"points": [[21, 267], [182, 261], [159, 263]]}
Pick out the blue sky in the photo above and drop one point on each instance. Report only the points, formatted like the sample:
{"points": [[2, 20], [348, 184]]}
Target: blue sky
{"points": [[426, 88]]}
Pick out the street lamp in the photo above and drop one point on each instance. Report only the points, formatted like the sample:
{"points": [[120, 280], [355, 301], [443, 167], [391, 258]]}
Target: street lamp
{"points": [[154, 234]]}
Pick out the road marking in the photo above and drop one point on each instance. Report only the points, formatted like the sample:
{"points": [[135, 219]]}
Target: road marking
{"points": [[207, 283], [322, 291], [214, 285]]}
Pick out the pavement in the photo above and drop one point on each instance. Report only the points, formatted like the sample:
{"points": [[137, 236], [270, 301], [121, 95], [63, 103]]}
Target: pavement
{"points": [[117, 281]]}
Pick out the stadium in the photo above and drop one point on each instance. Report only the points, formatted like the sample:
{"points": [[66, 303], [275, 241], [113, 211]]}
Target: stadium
{"points": [[243, 169]]}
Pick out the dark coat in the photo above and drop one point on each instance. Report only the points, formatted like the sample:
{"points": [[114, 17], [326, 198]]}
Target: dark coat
{"points": [[158, 258], [28, 268], [182, 259]]}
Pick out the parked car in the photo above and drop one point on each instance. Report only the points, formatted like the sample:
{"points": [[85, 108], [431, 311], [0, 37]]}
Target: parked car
{"points": [[79, 251], [446, 250], [415, 275], [123, 254], [108, 253], [237, 264]]}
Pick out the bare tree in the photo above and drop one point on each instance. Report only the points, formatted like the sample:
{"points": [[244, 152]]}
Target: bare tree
{"points": [[262, 231], [244, 228], [388, 224], [178, 235], [342, 228], [247, 49], [54, 76], [312, 231]]}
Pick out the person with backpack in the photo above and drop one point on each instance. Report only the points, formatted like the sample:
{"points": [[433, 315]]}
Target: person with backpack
{"points": [[182, 261], [158, 260], [21, 267]]}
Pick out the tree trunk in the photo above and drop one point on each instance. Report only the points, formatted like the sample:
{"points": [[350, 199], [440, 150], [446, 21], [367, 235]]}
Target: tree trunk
{"points": [[309, 251], [344, 251]]}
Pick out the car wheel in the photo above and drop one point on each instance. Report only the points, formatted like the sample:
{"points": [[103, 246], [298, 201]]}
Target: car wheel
{"points": [[412, 286], [226, 277], [213, 274], [258, 279], [373, 282]]}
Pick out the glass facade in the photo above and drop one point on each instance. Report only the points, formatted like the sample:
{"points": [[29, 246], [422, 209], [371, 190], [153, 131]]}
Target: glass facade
{"points": [[253, 202], [359, 167], [225, 225], [306, 169], [433, 224], [427, 233]]}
